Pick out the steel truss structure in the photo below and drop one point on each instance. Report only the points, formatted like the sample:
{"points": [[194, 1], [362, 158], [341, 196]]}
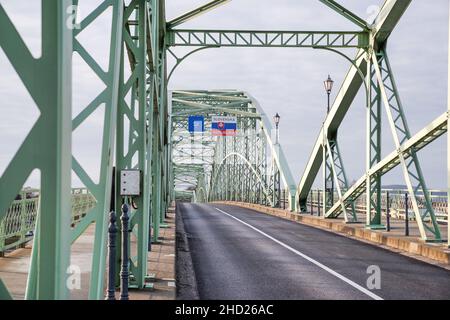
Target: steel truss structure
{"points": [[228, 38], [145, 128], [134, 135], [246, 167], [371, 70]]}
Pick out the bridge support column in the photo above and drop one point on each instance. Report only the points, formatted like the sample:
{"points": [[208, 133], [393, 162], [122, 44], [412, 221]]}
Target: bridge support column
{"points": [[51, 136], [373, 147], [132, 123]]}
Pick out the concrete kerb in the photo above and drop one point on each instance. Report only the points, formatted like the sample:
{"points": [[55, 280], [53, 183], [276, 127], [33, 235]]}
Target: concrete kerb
{"points": [[184, 268]]}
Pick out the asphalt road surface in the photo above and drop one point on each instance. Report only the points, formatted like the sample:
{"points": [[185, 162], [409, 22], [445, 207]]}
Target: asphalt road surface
{"points": [[240, 254]]}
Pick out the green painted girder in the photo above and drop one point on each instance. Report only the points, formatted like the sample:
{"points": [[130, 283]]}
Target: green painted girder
{"points": [[194, 13], [48, 143], [250, 173], [373, 147], [260, 38], [411, 168], [345, 13], [417, 142], [136, 153], [385, 23], [222, 108], [47, 146], [277, 154], [109, 97]]}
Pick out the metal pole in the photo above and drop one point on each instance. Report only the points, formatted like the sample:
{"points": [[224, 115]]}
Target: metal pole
{"points": [[279, 188], [388, 213], [328, 108], [125, 257], [276, 134], [318, 203], [311, 204], [112, 230], [406, 215], [324, 169]]}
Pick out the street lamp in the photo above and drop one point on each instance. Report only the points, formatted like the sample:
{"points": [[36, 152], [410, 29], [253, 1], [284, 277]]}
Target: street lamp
{"points": [[276, 119], [328, 87], [328, 186]]}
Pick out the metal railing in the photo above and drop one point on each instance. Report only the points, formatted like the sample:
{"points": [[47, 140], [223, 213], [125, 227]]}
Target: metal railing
{"points": [[82, 202], [17, 227], [397, 201]]}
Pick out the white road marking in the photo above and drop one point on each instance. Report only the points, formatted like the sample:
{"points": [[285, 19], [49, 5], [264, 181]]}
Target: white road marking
{"points": [[317, 263]]}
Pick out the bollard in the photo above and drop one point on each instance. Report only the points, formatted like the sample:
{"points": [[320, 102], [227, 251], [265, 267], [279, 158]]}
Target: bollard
{"points": [[112, 231], [125, 256], [406, 215], [388, 213]]}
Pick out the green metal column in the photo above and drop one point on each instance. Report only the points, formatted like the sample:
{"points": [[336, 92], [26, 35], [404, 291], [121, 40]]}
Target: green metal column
{"points": [[51, 253], [155, 179], [414, 178], [373, 148], [109, 98], [132, 121]]}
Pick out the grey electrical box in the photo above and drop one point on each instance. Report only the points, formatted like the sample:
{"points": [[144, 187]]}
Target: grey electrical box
{"points": [[130, 182]]}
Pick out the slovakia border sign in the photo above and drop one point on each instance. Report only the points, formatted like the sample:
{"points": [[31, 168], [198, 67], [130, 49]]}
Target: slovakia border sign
{"points": [[196, 124], [223, 126]]}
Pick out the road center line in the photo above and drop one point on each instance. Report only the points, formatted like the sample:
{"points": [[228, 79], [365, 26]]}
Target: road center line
{"points": [[317, 263]]}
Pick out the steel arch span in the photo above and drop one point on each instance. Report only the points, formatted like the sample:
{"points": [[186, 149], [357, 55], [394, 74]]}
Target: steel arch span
{"points": [[248, 166]]}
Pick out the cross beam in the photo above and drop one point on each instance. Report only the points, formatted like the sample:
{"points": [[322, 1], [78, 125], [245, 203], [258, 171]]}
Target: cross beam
{"points": [[259, 38]]}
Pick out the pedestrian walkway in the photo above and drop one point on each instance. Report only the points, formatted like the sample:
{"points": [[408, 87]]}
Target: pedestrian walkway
{"points": [[14, 266], [161, 264]]}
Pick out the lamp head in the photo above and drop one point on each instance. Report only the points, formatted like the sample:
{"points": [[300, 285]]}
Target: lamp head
{"points": [[328, 84]]}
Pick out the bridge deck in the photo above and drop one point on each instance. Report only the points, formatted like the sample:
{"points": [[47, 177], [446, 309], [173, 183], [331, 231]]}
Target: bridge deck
{"points": [[239, 253], [395, 240]]}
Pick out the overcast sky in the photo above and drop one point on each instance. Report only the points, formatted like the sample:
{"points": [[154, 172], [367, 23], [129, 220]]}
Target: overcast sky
{"points": [[287, 81]]}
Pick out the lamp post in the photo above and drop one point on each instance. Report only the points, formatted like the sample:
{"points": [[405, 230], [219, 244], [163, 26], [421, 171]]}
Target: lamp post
{"points": [[328, 87], [276, 171], [328, 188], [276, 119]]}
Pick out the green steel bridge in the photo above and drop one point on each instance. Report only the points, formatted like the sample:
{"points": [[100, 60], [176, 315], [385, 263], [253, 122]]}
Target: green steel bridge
{"points": [[145, 128]]}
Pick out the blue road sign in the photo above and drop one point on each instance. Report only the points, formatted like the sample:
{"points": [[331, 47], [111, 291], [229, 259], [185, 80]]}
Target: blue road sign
{"points": [[196, 124]]}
